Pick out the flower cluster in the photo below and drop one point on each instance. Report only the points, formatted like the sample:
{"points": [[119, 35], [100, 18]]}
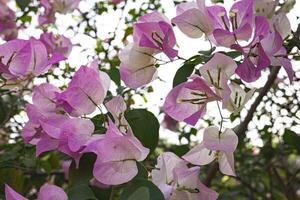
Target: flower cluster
{"points": [[59, 119], [21, 60], [152, 34], [177, 181], [256, 35], [55, 123]]}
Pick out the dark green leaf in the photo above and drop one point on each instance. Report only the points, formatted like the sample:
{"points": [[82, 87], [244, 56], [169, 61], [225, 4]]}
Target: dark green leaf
{"points": [[142, 171], [114, 74], [84, 173], [23, 3], [183, 73], [181, 150], [102, 193], [81, 192], [99, 121], [208, 52], [141, 189], [292, 139], [145, 127]]}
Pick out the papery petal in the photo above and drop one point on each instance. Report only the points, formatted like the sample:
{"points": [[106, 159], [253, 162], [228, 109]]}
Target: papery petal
{"points": [[10, 194], [115, 173], [218, 16], [216, 141], [282, 24], [118, 147], [272, 43], [262, 27], [247, 71], [219, 61], [244, 12], [87, 89], [77, 132], [45, 144], [224, 37], [51, 192], [287, 65], [192, 22], [189, 179], [166, 163], [52, 125], [199, 155], [44, 97], [139, 78], [135, 57], [226, 164]]}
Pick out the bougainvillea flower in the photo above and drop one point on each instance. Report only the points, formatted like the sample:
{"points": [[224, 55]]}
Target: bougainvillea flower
{"points": [[238, 98], [255, 57], [42, 129], [85, 92], [137, 66], [116, 1], [117, 107], [237, 27], [11, 194], [170, 123], [45, 120], [282, 24], [155, 31], [51, 192], [215, 145], [187, 185], [47, 192], [56, 43], [76, 132], [65, 165], [117, 155], [217, 72], [193, 19], [162, 175], [44, 97], [24, 58], [187, 101], [8, 27], [48, 17], [273, 46]]}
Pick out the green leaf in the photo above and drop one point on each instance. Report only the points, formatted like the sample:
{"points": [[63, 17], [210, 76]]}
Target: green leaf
{"points": [[142, 172], [141, 189], [145, 127], [114, 74], [102, 193], [292, 139], [183, 73], [81, 192], [233, 54], [98, 122], [84, 173], [208, 52], [23, 3], [3, 110], [181, 150]]}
